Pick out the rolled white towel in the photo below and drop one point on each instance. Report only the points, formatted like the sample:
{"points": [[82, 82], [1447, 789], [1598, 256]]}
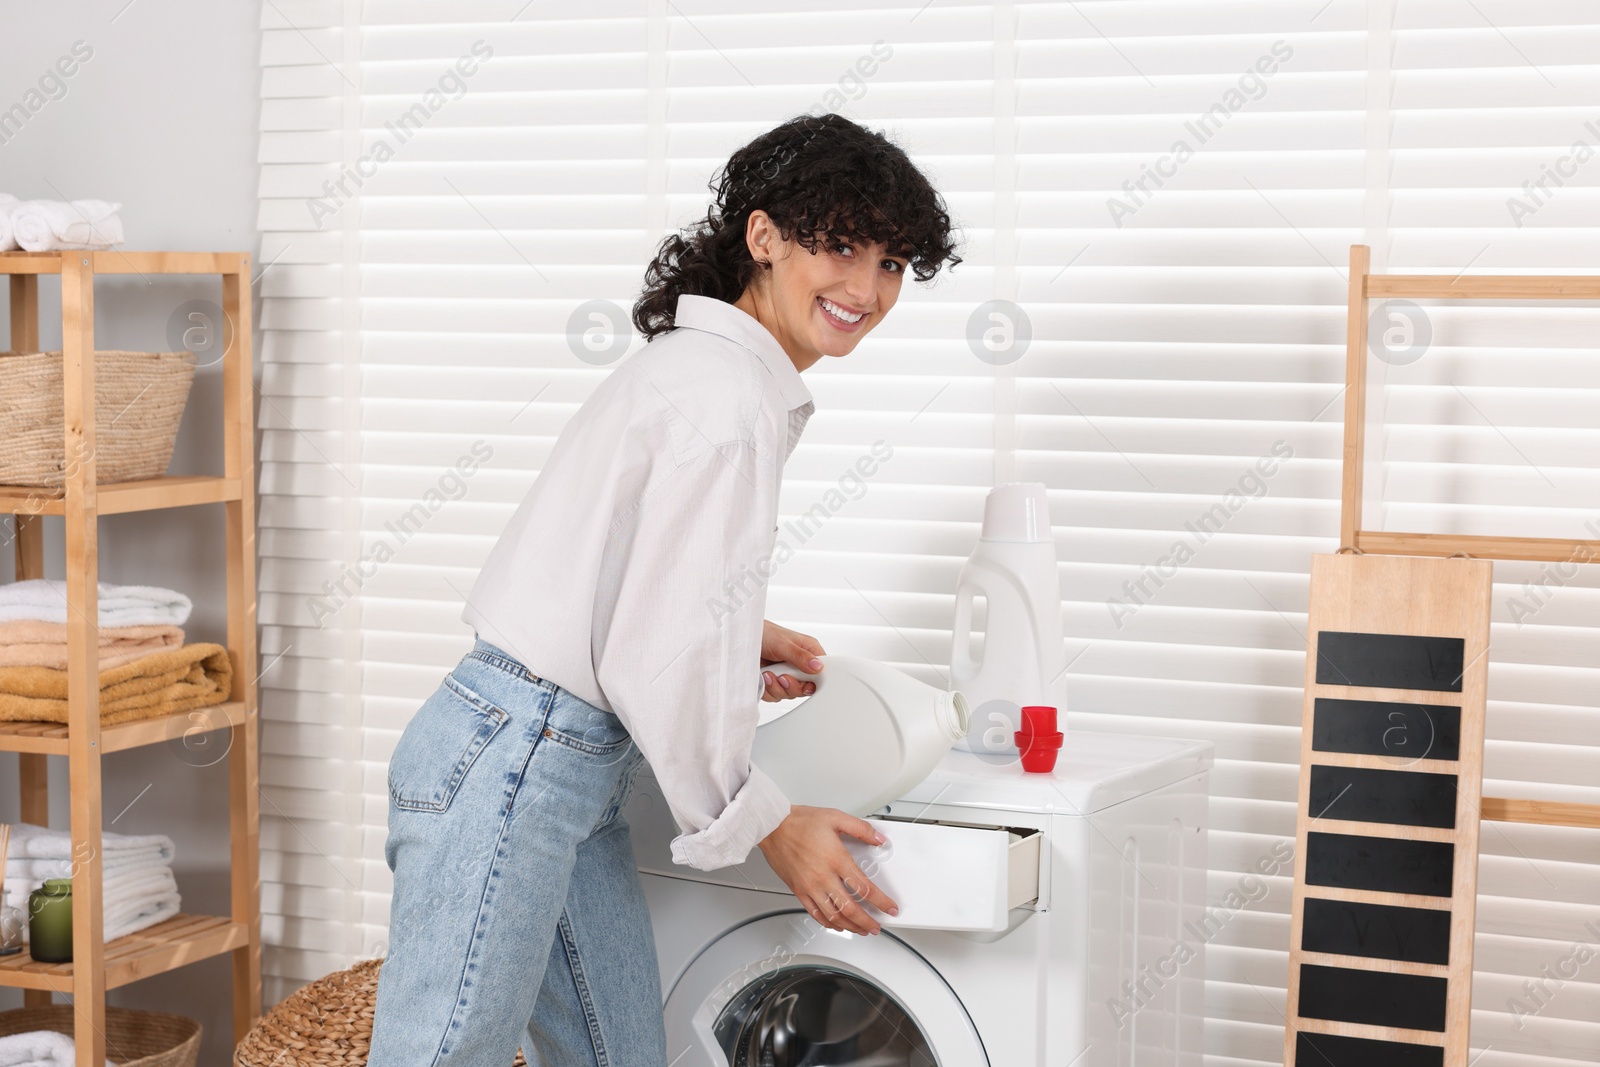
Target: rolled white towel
{"points": [[47, 225], [39, 1048], [38, 842], [8, 240], [45, 599]]}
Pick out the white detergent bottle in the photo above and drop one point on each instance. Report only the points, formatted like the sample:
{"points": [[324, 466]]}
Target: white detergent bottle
{"points": [[864, 738], [1014, 570]]}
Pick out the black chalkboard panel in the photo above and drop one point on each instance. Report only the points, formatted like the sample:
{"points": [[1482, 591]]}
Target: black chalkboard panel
{"points": [[1381, 931], [1364, 794], [1376, 998], [1334, 1050], [1385, 728], [1390, 661], [1383, 864]]}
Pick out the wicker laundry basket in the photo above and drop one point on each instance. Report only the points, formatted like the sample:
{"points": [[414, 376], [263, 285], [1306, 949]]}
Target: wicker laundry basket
{"points": [[139, 401], [142, 1038], [327, 1023]]}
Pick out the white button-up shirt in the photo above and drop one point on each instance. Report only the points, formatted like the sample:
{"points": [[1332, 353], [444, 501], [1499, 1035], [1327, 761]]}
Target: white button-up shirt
{"points": [[634, 573]]}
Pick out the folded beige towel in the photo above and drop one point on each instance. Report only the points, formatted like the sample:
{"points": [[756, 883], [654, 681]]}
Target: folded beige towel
{"points": [[162, 683], [31, 643]]}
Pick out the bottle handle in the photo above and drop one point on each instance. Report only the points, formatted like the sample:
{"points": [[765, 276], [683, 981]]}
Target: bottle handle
{"points": [[785, 667], [961, 662]]}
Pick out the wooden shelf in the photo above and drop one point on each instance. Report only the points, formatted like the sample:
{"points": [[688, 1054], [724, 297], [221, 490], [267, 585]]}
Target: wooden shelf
{"points": [[50, 738], [185, 938], [122, 497], [118, 262], [180, 940]]}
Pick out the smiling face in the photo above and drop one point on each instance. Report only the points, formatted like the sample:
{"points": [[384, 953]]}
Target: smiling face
{"points": [[819, 303]]}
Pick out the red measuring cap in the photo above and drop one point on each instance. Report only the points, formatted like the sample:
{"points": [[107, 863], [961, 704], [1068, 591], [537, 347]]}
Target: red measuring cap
{"points": [[1038, 740]]}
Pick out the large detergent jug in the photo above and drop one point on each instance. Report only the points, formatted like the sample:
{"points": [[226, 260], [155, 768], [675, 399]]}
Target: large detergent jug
{"points": [[864, 738], [1014, 570]]}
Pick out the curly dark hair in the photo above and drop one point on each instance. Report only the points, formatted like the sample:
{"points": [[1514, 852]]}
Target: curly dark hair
{"points": [[816, 176]]}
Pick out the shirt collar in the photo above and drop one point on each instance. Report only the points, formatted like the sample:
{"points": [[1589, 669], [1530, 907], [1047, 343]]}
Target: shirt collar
{"points": [[725, 320]]}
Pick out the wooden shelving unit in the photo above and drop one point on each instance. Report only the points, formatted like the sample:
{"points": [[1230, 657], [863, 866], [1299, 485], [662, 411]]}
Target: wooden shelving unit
{"points": [[183, 939]]}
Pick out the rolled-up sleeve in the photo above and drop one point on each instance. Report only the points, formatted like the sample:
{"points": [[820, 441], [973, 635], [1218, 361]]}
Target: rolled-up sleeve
{"points": [[679, 657]]}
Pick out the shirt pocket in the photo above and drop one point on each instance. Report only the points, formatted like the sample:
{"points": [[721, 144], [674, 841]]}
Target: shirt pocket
{"points": [[440, 745]]}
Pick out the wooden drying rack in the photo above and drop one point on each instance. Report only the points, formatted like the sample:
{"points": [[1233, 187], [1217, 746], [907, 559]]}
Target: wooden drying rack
{"points": [[1364, 286]]}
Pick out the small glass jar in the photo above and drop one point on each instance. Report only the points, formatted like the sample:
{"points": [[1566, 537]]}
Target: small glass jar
{"points": [[11, 928], [50, 921]]}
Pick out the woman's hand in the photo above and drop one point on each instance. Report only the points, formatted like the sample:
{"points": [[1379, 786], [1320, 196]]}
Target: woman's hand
{"points": [[806, 852], [780, 644]]}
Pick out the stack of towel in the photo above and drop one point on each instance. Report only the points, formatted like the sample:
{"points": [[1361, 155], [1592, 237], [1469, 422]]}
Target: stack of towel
{"points": [[39, 1048], [48, 225], [146, 670], [137, 886]]}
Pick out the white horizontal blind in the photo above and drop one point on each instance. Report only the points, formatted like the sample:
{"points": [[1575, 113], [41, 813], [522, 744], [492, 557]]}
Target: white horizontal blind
{"points": [[1185, 325], [310, 418], [1194, 176], [1494, 429]]}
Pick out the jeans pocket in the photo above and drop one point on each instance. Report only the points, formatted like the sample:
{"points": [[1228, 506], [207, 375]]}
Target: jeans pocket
{"points": [[584, 728], [439, 746]]}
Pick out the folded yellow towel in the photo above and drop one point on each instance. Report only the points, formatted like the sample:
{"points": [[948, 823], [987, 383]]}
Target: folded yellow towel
{"points": [[32, 643], [162, 683]]}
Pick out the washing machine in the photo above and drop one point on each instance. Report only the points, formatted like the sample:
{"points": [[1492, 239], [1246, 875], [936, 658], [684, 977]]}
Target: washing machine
{"points": [[1045, 920]]}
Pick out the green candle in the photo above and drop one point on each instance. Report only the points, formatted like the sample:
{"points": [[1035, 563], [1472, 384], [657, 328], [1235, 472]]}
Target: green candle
{"points": [[50, 921]]}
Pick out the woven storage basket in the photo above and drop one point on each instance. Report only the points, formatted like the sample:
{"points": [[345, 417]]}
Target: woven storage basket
{"points": [[327, 1023], [139, 400], [142, 1038]]}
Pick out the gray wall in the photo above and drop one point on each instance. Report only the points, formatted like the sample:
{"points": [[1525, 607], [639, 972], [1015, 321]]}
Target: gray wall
{"points": [[163, 118]]}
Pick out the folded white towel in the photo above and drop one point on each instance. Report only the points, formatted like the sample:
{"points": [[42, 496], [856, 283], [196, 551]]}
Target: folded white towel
{"points": [[39, 1048], [46, 225], [45, 599], [131, 902], [132, 916], [8, 240], [138, 884], [111, 866], [120, 917], [38, 842]]}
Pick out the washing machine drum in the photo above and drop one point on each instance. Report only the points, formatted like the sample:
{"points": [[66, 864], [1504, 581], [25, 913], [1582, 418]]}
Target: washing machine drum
{"points": [[779, 991], [816, 1016]]}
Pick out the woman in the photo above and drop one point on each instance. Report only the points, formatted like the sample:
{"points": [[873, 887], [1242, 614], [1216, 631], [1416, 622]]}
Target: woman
{"points": [[618, 619]]}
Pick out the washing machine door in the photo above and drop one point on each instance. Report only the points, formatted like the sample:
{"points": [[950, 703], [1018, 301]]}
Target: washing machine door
{"points": [[781, 991]]}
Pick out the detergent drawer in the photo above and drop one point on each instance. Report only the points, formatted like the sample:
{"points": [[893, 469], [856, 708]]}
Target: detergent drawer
{"points": [[948, 876]]}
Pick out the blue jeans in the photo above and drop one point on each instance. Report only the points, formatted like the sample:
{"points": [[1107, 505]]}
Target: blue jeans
{"points": [[517, 915]]}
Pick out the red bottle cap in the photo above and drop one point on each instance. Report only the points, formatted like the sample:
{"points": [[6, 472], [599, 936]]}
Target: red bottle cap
{"points": [[1038, 740], [1038, 719]]}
